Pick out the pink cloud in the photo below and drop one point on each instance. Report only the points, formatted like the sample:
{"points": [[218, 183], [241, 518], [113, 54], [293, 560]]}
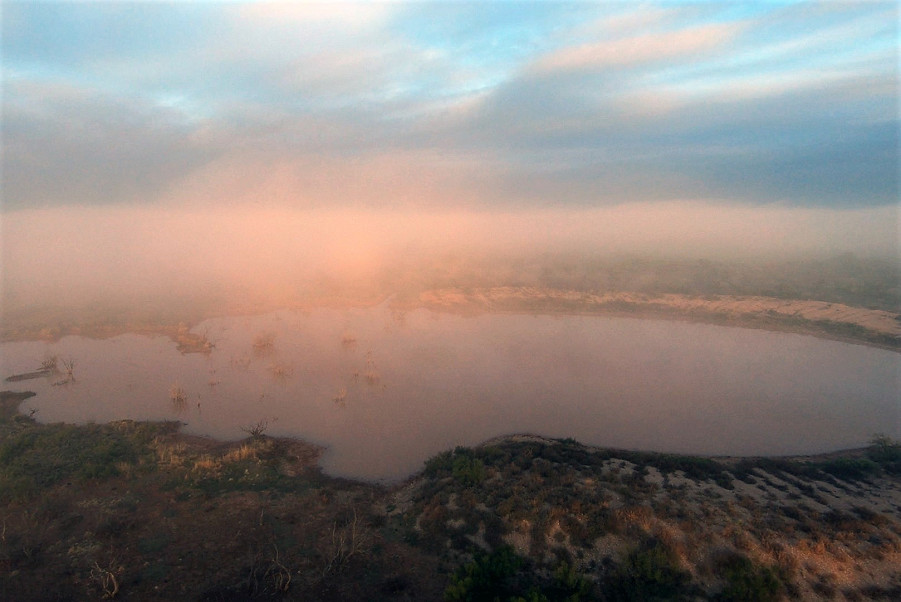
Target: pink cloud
{"points": [[638, 49]]}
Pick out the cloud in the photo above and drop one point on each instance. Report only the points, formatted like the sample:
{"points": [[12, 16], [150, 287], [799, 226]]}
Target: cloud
{"points": [[639, 49], [67, 145], [357, 15], [513, 106]]}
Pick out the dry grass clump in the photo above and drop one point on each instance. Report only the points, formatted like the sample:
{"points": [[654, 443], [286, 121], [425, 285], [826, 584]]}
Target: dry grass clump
{"points": [[346, 540], [240, 363], [240, 454], [178, 397], [49, 363], [280, 370], [126, 469], [341, 396], [105, 578], [177, 393], [206, 463], [371, 374], [170, 454], [264, 343], [209, 464], [69, 367]]}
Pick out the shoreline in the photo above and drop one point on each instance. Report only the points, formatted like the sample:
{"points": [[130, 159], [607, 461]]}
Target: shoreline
{"points": [[725, 460], [712, 320], [144, 503], [793, 316], [859, 326], [10, 402]]}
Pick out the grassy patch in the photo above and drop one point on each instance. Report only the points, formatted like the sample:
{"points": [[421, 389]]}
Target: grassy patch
{"points": [[35, 456]]}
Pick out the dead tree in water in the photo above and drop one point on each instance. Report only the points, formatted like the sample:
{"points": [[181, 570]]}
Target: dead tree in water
{"points": [[256, 431]]}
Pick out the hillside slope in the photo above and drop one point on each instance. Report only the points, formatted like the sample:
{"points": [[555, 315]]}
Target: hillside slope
{"points": [[139, 511]]}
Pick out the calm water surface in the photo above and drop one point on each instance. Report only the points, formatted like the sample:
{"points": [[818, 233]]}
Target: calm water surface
{"points": [[383, 391]]}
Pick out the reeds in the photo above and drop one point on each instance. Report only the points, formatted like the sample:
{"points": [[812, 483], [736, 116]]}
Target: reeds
{"points": [[178, 397], [69, 368], [49, 363], [371, 374]]}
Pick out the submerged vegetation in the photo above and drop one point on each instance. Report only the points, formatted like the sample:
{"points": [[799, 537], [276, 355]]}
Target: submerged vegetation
{"points": [[137, 511], [178, 397]]}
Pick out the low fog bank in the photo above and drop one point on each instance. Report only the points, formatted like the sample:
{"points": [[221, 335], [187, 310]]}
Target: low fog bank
{"points": [[165, 262]]}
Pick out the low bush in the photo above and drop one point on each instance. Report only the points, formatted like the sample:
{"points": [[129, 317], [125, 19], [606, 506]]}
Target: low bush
{"points": [[468, 470], [849, 469], [650, 572], [487, 577], [747, 582], [886, 452]]}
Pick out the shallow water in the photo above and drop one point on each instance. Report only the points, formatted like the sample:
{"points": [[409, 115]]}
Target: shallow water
{"points": [[386, 390]]}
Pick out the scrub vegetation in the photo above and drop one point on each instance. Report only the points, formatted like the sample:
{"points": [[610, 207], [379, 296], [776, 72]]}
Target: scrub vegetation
{"points": [[138, 511]]}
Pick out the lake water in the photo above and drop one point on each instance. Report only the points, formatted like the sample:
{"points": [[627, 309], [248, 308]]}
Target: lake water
{"points": [[383, 390]]}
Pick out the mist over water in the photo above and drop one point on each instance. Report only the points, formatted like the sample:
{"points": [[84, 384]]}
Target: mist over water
{"points": [[252, 253]]}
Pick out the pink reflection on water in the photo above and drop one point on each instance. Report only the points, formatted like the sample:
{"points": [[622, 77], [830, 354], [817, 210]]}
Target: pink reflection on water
{"points": [[407, 389]]}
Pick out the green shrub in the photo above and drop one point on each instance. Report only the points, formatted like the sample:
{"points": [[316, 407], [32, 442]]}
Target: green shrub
{"points": [[486, 577], [466, 468], [747, 582], [569, 585], [886, 452], [849, 469], [648, 573], [439, 465]]}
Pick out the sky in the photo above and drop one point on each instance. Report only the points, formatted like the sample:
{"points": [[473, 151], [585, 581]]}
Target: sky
{"points": [[726, 126], [458, 104]]}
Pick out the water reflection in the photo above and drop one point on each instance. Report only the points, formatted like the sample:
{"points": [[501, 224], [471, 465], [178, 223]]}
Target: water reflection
{"points": [[385, 390]]}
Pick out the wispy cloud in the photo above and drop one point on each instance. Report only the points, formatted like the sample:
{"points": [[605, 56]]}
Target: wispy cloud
{"points": [[452, 105], [639, 49]]}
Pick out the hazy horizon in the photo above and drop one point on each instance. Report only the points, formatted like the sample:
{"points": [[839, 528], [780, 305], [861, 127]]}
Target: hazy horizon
{"points": [[165, 149]]}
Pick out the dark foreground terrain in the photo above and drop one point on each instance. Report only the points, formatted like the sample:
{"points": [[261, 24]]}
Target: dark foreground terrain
{"points": [[137, 511]]}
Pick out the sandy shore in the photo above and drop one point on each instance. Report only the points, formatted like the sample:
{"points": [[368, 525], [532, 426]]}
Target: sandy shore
{"points": [[834, 321], [818, 318]]}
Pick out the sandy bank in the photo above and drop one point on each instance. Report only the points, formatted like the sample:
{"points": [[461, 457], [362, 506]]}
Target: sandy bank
{"points": [[818, 318]]}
